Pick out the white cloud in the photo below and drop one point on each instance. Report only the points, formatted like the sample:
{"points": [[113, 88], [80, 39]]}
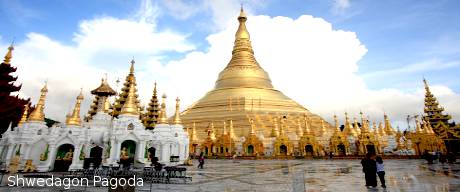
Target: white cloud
{"points": [[306, 58], [339, 6]]}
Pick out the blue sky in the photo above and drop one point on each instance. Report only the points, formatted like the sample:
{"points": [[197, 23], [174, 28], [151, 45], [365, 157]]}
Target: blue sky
{"points": [[396, 33], [405, 40]]}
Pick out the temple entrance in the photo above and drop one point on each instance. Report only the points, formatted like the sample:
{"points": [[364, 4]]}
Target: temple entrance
{"points": [[95, 158], [250, 149], [341, 149], [370, 149], [64, 156], [128, 150], [151, 154], [283, 150], [206, 151], [308, 150]]}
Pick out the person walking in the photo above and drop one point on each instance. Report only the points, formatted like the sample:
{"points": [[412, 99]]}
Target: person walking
{"points": [[370, 170], [201, 161], [381, 171]]}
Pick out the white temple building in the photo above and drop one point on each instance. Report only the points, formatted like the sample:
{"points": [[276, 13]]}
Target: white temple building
{"points": [[103, 140]]}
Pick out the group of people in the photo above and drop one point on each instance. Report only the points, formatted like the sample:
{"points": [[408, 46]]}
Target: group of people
{"points": [[373, 166]]}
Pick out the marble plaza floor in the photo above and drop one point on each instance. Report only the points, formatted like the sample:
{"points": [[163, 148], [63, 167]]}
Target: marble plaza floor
{"points": [[303, 175]]}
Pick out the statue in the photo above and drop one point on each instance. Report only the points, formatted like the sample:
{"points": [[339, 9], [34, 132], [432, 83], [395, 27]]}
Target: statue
{"points": [[44, 155], [14, 165], [29, 167], [68, 156], [124, 154]]}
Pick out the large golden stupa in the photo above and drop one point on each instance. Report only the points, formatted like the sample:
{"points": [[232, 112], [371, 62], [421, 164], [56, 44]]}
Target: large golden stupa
{"points": [[244, 92]]}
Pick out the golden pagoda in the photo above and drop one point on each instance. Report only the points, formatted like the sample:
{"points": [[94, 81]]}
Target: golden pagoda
{"points": [[244, 91], [339, 143], [74, 118], [100, 102], [439, 122], [307, 143], [150, 118], [253, 146], [38, 113], [123, 96], [367, 140]]}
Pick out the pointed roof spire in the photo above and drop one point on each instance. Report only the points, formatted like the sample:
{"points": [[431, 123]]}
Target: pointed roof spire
{"points": [[193, 136], [232, 132], [251, 121], [74, 118], [336, 121], [38, 114], [130, 106], [131, 69], [307, 125], [177, 114], [224, 132], [104, 89], [162, 119], [24, 115], [243, 56], [9, 54]]}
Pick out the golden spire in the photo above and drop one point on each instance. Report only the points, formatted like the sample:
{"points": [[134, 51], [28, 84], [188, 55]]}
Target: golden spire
{"points": [[243, 69], [24, 115], [162, 117], [388, 129], [430, 129], [418, 129], [193, 135], [177, 114], [251, 121], [74, 119], [8, 55], [348, 129], [275, 131], [299, 130], [232, 132], [307, 125], [131, 68], [213, 132], [381, 129], [356, 126], [224, 129], [242, 32], [38, 114], [336, 121], [364, 123], [323, 127], [130, 106]]}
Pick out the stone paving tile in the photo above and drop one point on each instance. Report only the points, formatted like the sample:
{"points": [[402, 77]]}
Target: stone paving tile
{"points": [[304, 175]]}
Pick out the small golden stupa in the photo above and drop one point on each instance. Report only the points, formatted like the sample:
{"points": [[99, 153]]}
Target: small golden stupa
{"points": [[243, 91]]}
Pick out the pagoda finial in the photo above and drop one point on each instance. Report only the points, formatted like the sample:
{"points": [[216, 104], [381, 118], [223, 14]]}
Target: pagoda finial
{"points": [[177, 114], [193, 136], [225, 129], [24, 115], [307, 125], [162, 119], [336, 121], [427, 88], [9, 54], [131, 69], [130, 106], [38, 114], [251, 121], [74, 118]]}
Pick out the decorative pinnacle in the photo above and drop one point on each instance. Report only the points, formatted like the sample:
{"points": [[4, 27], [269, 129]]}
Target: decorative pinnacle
{"points": [[9, 54], [162, 118], [131, 69], [38, 114], [177, 115], [74, 118], [24, 115], [130, 106]]}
